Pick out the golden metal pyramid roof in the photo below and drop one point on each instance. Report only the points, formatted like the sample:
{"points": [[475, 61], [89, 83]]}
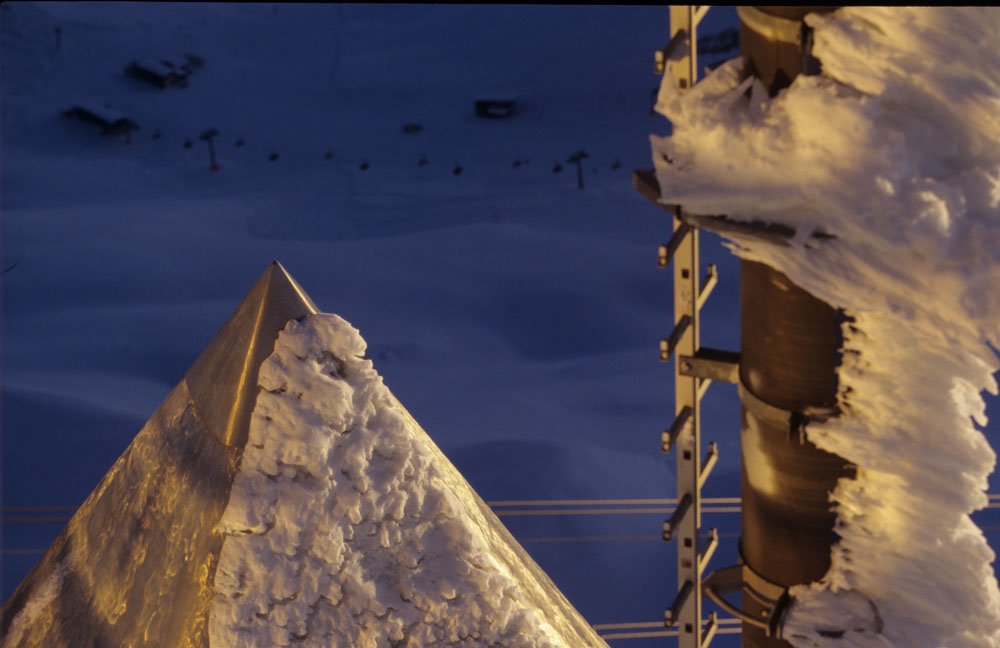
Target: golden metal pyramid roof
{"points": [[135, 566]]}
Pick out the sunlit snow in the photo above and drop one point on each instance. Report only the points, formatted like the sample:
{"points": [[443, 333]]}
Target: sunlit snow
{"points": [[515, 315], [346, 526], [895, 151]]}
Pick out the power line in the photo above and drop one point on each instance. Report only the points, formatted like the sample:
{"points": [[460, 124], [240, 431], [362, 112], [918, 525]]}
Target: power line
{"points": [[654, 624], [617, 538], [499, 513], [610, 507], [602, 502], [661, 633], [993, 497], [29, 509], [529, 540], [22, 552], [607, 511]]}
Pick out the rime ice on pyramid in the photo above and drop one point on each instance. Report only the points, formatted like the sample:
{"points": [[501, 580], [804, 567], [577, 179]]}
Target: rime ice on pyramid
{"points": [[281, 495]]}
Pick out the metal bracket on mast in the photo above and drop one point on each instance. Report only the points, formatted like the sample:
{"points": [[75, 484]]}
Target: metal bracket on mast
{"points": [[794, 423], [645, 182], [773, 598], [713, 364]]}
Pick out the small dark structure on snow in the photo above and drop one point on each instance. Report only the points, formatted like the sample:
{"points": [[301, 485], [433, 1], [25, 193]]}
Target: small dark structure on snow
{"points": [[495, 107], [207, 136], [102, 115], [577, 158], [164, 73]]}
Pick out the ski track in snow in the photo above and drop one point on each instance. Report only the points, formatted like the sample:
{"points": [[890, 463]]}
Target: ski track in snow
{"points": [[894, 150]]}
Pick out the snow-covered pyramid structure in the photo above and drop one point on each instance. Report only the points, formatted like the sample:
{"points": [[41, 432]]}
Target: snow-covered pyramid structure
{"points": [[280, 496]]}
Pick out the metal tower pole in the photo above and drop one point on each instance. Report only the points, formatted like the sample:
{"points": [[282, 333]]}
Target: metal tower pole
{"points": [[789, 352], [785, 370]]}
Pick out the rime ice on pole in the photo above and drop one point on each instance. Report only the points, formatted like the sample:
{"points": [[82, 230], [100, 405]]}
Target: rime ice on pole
{"points": [[894, 150]]}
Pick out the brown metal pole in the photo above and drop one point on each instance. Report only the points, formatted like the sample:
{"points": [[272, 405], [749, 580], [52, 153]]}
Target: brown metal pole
{"points": [[789, 351]]}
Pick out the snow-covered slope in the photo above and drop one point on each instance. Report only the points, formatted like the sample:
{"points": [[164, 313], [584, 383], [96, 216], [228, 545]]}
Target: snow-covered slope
{"points": [[347, 526], [516, 315], [895, 151]]}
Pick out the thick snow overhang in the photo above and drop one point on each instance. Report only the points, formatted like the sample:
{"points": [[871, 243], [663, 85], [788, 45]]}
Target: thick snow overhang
{"points": [[894, 149]]}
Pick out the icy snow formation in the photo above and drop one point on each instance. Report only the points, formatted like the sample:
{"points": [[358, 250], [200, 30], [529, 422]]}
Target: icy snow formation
{"points": [[35, 607], [347, 526], [894, 150]]}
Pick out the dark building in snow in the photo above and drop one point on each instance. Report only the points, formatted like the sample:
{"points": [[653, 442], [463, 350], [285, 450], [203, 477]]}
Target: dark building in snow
{"points": [[495, 107], [164, 73], [102, 115]]}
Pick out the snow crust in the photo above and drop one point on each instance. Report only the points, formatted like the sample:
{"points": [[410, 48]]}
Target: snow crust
{"points": [[35, 606], [895, 150], [347, 526]]}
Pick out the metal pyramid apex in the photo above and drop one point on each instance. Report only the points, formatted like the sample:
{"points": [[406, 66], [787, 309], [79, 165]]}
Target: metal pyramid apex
{"points": [[135, 565], [223, 379]]}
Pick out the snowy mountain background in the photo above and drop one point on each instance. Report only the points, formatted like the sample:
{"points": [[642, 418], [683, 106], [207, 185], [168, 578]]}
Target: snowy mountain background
{"points": [[514, 315]]}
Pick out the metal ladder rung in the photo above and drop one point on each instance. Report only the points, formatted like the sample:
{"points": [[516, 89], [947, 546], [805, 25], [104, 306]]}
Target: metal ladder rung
{"points": [[674, 611], [709, 632], [711, 457], [670, 526], [667, 251], [669, 343], [669, 438], [703, 386], [708, 284], [708, 549]]}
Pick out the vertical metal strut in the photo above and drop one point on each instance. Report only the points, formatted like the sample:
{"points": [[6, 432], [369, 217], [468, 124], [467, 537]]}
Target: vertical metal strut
{"points": [[688, 445], [678, 60]]}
